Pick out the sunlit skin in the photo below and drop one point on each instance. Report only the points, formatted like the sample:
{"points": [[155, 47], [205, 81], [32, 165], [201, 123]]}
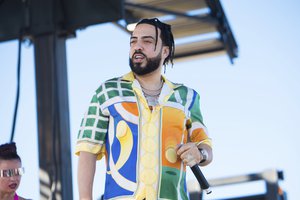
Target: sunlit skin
{"points": [[143, 39], [9, 185]]}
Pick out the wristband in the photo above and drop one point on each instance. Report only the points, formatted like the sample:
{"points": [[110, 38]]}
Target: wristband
{"points": [[204, 155]]}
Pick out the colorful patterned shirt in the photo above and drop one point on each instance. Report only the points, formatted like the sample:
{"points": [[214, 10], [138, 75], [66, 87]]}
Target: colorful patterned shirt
{"points": [[138, 142]]}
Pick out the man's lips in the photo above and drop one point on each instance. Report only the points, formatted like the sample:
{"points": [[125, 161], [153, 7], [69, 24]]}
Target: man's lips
{"points": [[138, 57]]}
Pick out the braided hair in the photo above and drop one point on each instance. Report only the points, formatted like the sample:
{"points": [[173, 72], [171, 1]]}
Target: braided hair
{"points": [[8, 151], [166, 36]]}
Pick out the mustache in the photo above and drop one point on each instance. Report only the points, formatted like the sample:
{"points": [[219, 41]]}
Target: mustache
{"points": [[138, 52]]}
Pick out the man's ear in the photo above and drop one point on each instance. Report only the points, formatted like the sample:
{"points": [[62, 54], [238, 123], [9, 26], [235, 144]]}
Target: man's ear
{"points": [[165, 51]]}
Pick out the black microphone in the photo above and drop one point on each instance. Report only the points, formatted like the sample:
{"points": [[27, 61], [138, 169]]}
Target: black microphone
{"points": [[201, 179]]}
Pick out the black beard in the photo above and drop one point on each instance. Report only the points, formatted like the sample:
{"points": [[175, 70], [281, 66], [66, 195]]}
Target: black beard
{"points": [[152, 65]]}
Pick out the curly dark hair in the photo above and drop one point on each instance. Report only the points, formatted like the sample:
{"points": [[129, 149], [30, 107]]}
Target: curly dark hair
{"points": [[8, 151], [166, 36]]}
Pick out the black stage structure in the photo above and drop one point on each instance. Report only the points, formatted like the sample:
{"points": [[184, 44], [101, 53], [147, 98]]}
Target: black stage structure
{"points": [[200, 28]]}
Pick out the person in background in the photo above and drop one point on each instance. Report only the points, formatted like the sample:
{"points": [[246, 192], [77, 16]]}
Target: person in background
{"points": [[147, 128], [11, 171]]}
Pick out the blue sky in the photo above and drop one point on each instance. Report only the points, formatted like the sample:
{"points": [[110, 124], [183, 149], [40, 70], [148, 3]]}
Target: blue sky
{"points": [[251, 108]]}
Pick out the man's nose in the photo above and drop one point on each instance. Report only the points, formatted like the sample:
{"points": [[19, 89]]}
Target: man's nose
{"points": [[138, 46]]}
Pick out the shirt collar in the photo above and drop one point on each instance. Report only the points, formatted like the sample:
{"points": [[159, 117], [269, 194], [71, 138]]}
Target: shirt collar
{"points": [[130, 77]]}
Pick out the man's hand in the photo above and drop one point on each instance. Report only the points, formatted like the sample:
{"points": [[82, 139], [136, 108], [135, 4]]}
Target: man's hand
{"points": [[189, 154]]}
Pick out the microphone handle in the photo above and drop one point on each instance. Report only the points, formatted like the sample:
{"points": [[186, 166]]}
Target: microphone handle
{"points": [[201, 179]]}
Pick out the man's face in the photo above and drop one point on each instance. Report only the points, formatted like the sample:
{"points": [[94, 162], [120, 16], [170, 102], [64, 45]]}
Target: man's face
{"points": [[146, 57]]}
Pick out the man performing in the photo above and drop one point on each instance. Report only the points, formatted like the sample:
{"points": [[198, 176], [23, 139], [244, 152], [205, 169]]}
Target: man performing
{"points": [[147, 128]]}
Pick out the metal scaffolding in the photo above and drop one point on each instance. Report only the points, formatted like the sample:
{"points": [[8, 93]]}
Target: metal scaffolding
{"points": [[49, 23], [271, 179]]}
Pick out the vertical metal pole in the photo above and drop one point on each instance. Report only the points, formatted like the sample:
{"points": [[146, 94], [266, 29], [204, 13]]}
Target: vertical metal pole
{"points": [[272, 191], [53, 117]]}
